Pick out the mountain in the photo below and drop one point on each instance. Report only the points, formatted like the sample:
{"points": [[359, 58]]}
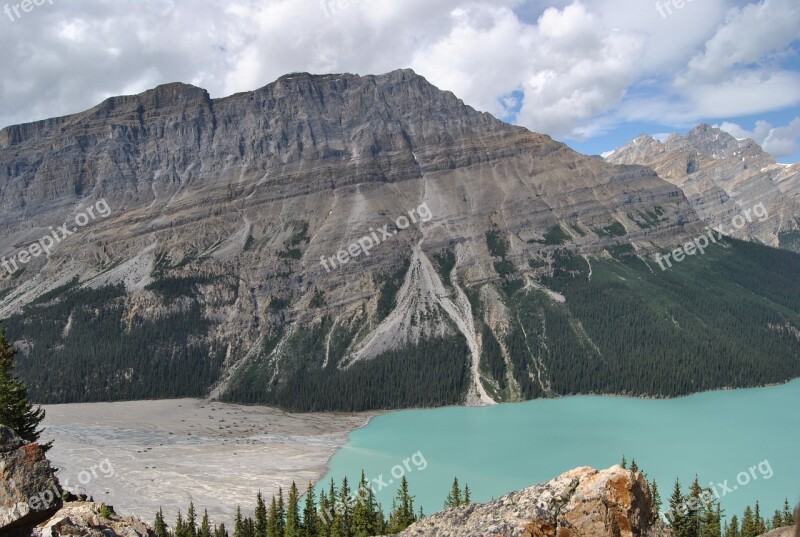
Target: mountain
{"points": [[356, 242], [722, 177]]}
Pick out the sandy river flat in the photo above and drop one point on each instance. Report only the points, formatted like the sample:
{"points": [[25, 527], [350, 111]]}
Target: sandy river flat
{"points": [[140, 455]]}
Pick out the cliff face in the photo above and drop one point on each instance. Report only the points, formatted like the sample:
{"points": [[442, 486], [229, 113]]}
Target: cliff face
{"points": [[722, 177], [245, 196], [580, 503], [344, 242]]}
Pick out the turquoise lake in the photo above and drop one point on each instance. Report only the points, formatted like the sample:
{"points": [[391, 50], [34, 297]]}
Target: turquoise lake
{"points": [[716, 435]]}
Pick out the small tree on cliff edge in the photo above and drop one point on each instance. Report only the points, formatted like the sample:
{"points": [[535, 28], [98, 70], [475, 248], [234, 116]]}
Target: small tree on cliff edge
{"points": [[15, 410]]}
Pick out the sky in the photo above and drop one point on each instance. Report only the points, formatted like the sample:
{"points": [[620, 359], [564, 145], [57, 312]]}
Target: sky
{"points": [[594, 73]]}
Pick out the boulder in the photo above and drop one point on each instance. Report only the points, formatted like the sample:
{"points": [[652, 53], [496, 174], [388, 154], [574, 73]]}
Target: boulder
{"points": [[29, 490], [580, 503]]}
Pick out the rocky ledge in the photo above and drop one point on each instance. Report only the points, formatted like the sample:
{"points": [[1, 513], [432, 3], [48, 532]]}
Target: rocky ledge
{"points": [[580, 503]]}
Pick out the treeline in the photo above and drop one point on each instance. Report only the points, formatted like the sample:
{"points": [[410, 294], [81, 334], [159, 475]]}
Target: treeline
{"points": [[697, 512], [339, 512], [433, 373], [721, 320], [80, 346]]}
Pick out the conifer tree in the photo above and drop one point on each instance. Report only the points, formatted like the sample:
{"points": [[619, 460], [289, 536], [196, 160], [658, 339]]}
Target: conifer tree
{"points": [[624, 463], [205, 527], [273, 523], [761, 527], [238, 527], [694, 509], [311, 521], [15, 410], [345, 508], [402, 509], [281, 513], [656, 499], [362, 517], [260, 516], [788, 517], [467, 496], [749, 524], [160, 525], [191, 521], [181, 529], [711, 521], [325, 514], [377, 522], [293, 524], [454, 496], [777, 520], [634, 466], [677, 516], [220, 531], [337, 527], [732, 529]]}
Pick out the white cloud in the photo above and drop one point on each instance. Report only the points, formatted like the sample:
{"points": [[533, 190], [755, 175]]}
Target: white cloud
{"points": [[748, 36], [777, 141], [574, 70], [569, 66]]}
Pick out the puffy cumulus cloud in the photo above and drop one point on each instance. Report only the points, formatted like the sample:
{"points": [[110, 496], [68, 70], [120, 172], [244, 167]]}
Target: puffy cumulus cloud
{"points": [[66, 57], [568, 66], [749, 35], [564, 67], [777, 141], [557, 71]]}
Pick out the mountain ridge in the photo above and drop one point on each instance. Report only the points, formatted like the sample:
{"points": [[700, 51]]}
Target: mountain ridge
{"points": [[221, 210]]}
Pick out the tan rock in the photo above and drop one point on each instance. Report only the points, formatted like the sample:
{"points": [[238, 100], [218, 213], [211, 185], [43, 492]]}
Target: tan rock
{"points": [[580, 503]]}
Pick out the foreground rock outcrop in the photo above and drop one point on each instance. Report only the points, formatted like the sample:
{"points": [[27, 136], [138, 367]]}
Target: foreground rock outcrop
{"points": [[580, 503], [31, 504], [86, 520], [29, 490]]}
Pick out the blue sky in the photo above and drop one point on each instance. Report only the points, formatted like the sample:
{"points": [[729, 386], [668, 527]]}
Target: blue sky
{"points": [[592, 73]]}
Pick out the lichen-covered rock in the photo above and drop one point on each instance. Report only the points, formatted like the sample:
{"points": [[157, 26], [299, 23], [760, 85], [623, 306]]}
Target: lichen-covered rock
{"points": [[580, 503], [29, 490]]}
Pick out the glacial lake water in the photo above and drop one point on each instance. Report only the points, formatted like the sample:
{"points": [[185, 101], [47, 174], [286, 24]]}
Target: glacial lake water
{"points": [[719, 436]]}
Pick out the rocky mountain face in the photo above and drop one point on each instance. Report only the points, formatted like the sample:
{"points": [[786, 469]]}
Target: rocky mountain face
{"points": [[722, 177], [580, 503], [344, 242]]}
